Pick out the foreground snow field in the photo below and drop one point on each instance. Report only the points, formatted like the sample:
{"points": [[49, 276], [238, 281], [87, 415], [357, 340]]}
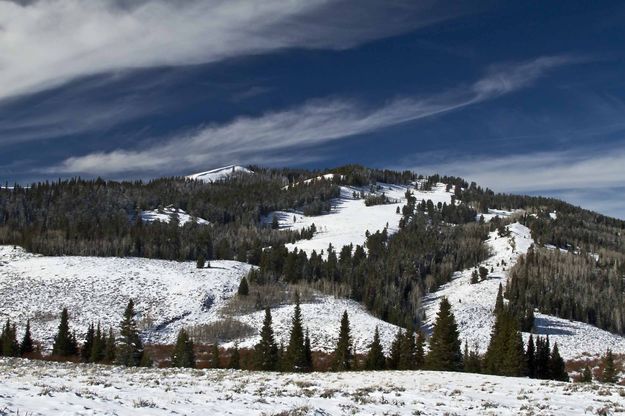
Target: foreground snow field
{"points": [[40, 388]]}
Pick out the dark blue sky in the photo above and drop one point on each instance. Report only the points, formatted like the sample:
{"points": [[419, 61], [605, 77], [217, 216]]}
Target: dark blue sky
{"points": [[523, 97]]}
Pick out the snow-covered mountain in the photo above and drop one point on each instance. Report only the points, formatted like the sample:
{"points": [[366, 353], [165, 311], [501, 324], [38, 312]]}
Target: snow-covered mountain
{"points": [[219, 174], [166, 214]]}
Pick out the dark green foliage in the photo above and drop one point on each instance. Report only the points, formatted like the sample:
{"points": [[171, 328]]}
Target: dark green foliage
{"points": [[266, 351], [543, 353], [395, 353], [27, 346], [483, 271], [506, 353], [586, 375], [65, 344], [556, 365], [295, 357], [420, 350], [130, 348], [471, 360], [183, 355], [475, 278], [499, 301], [235, 358], [87, 346], [308, 351], [530, 357], [375, 356], [343, 352], [244, 288], [214, 362], [98, 351], [110, 348], [10, 346], [445, 353], [201, 262], [407, 351], [609, 374]]}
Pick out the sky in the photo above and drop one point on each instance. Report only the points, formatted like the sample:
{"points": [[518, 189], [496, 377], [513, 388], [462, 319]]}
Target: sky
{"points": [[521, 97]]}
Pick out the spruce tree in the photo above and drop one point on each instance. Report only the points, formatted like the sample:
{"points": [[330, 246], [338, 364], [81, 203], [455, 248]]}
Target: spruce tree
{"points": [[183, 355], [586, 375], [201, 262], [130, 349], [445, 348], [308, 351], [215, 356], [10, 346], [295, 356], [543, 354], [244, 288], [556, 365], [395, 353], [420, 350], [87, 346], [407, 351], [235, 358], [375, 356], [608, 374], [499, 301], [266, 351], [343, 352], [27, 346], [110, 347], [530, 358], [99, 346], [64, 342]]}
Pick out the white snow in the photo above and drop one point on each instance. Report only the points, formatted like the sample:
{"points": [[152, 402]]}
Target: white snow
{"points": [[492, 213], [167, 213], [349, 218], [473, 304], [219, 174], [45, 388]]}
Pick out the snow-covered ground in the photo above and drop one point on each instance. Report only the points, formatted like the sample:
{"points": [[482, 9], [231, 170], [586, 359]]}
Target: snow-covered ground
{"points": [[169, 295], [166, 215], [349, 218], [219, 174], [492, 213], [40, 388], [473, 304]]}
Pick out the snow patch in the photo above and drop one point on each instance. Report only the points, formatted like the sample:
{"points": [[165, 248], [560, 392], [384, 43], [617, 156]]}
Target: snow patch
{"points": [[219, 174], [166, 214]]}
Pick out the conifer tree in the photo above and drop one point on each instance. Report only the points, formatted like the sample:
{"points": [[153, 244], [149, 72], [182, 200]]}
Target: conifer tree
{"points": [[609, 371], [200, 262], [556, 365], [343, 352], [375, 356], [543, 354], [99, 346], [499, 301], [445, 353], [471, 359], [420, 350], [244, 288], [10, 347], [586, 375], [266, 351], [183, 355], [27, 346], [87, 346], [395, 353], [215, 356], [130, 349], [235, 358], [64, 342], [530, 358], [295, 356], [110, 347], [407, 351], [308, 351], [513, 363]]}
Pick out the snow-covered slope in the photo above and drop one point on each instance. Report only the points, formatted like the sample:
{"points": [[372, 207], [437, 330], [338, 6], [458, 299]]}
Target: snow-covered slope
{"points": [[166, 214], [473, 304], [219, 174], [46, 388], [349, 218]]}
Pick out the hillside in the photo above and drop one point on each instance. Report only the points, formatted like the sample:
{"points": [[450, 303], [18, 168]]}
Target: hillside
{"points": [[40, 388]]}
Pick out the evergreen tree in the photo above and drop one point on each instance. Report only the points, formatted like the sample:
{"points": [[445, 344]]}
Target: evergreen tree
{"points": [[308, 351], [513, 364], [556, 365], [499, 301], [130, 349], [215, 356], [27, 346], [87, 346], [10, 347], [543, 354], [445, 353], [609, 374], [244, 288], [99, 346], [420, 350], [200, 262], [110, 348], [266, 351], [65, 344], [295, 356], [530, 357], [475, 278], [183, 355], [395, 353], [407, 351], [375, 356], [343, 352], [586, 375], [471, 359], [235, 358]]}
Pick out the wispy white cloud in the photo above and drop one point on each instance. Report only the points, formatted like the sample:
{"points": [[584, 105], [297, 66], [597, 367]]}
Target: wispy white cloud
{"points": [[249, 139], [48, 42]]}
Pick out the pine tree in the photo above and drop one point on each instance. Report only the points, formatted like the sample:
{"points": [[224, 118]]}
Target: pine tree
{"points": [[64, 342], [99, 346], [556, 365], [475, 278], [513, 364], [27, 347], [543, 354], [110, 347], [215, 356], [244, 288], [499, 301], [295, 356], [201, 262], [586, 375], [609, 371], [10, 347], [343, 352], [407, 351], [308, 351], [235, 358], [445, 353], [530, 357], [420, 350], [375, 356], [395, 353], [130, 349], [266, 351], [87, 346], [471, 359], [183, 355]]}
